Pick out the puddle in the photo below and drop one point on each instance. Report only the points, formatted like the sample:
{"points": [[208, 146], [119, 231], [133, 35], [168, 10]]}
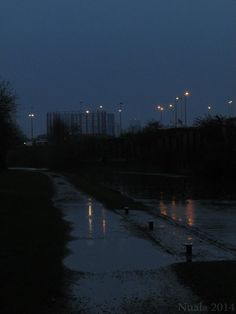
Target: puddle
{"points": [[122, 270]]}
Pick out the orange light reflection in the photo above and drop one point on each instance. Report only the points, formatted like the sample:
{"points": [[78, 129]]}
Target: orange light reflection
{"points": [[190, 212]]}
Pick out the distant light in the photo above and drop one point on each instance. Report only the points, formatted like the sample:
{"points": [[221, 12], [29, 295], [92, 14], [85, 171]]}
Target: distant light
{"points": [[31, 115], [177, 98], [87, 111], [230, 101], [209, 107], [100, 106], [171, 106], [186, 93]]}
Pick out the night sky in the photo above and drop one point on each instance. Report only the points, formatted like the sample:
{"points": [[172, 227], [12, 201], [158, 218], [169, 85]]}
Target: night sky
{"points": [[57, 53]]}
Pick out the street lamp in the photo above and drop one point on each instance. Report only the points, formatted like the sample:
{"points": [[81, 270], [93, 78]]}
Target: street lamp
{"points": [[31, 116], [230, 108], [86, 119], [160, 109], [177, 99], [209, 109], [120, 109], [186, 94], [171, 107]]}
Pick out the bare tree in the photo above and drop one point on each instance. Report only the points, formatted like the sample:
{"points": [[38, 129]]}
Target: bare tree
{"points": [[8, 128]]}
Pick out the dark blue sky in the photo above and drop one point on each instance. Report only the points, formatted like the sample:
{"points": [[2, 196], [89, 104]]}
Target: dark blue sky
{"points": [[58, 52]]}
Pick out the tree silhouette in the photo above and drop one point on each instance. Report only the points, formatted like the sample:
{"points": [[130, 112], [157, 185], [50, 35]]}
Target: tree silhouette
{"points": [[152, 127], [8, 128]]}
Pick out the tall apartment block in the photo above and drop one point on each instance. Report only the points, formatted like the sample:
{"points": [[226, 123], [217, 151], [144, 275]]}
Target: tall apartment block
{"points": [[90, 122]]}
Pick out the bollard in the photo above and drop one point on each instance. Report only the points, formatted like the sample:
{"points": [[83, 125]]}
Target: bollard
{"points": [[126, 208], [189, 252], [151, 225]]}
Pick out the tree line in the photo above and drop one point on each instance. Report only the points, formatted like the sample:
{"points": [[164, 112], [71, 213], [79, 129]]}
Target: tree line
{"points": [[207, 148], [9, 131]]}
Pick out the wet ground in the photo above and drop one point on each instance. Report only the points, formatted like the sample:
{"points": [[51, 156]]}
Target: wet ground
{"points": [[123, 267], [209, 206]]}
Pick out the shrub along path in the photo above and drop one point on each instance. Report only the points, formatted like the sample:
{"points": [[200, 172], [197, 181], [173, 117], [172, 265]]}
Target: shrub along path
{"points": [[33, 238]]}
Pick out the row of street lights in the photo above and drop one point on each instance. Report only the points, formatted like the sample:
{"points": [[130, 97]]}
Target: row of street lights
{"points": [[178, 114], [177, 106]]}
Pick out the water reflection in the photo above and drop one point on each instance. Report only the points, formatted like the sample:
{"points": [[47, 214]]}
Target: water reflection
{"points": [[163, 208], [174, 208], [190, 201], [104, 222], [104, 226], [190, 212], [182, 212], [90, 218], [97, 220]]}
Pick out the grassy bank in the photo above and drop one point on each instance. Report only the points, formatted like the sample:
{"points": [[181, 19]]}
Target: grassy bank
{"points": [[33, 237], [214, 282]]}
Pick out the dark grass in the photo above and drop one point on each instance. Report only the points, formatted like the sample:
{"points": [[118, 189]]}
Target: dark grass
{"points": [[33, 238], [213, 282]]}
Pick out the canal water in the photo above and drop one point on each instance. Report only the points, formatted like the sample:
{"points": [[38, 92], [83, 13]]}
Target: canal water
{"points": [[209, 206]]}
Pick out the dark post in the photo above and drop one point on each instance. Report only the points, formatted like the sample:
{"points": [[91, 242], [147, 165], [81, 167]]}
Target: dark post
{"points": [[151, 225], [189, 252], [126, 208]]}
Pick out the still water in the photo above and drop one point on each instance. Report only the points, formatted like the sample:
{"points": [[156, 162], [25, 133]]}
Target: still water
{"points": [[206, 206]]}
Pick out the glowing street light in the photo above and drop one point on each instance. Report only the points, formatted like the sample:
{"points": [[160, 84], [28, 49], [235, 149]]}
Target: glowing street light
{"points": [[230, 108], [177, 99], [186, 95], [87, 112], [171, 108], [209, 109], [160, 109], [120, 109], [31, 116]]}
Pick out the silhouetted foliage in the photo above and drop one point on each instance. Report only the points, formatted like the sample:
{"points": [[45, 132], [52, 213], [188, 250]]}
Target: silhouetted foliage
{"points": [[152, 127], [59, 133], [210, 121], [9, 131], [209, 148]]}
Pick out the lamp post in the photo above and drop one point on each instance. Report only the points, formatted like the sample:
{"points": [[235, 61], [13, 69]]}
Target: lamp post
{"points": [[177, 99], [120, 115], [230, 108], [86, 120], [171, 107], [31, 116], [160, 108], [186, 94], [209, 109], [101, 125]]}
